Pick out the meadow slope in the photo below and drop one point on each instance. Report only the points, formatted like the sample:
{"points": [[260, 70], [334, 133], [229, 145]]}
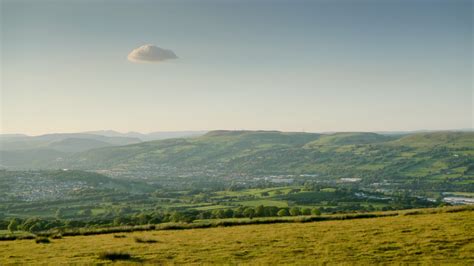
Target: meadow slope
{"points": [[423, 238]]}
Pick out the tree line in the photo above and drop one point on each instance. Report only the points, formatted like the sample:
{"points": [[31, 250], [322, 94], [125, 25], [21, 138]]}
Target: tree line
{"points": [[36, 224]]}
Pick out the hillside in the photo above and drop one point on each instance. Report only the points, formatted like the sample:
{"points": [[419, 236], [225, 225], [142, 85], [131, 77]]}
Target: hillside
{"points": [[45, 186], [429, 160], [29, 159], [438, 139], [78, 145], [436, 156], [355, 138], [219, 148], [21, 151], [149, 136], [23, 142], [430, 238]]}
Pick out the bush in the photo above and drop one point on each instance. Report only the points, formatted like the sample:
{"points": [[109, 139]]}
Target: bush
{"points": [[283, 212], [295, 211], [306, 211], [413, 213], [114, 255], [146, 241], [42, 240], [16, 237], [315, 211], [120, 236], [57, 236]]}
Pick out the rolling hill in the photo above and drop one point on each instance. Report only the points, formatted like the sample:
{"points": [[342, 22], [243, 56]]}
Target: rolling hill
{"points": [[149, 136], [350, 139], [78, 144], [217, 148], [24, 142], [22, 151], [438, 156]]}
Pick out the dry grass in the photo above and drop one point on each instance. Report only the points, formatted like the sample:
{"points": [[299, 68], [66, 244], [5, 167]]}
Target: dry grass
{"points": [[431, 238]]}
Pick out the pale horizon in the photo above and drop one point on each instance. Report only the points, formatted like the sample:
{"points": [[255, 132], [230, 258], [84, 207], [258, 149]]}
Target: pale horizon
{"points": [[240, 129]]}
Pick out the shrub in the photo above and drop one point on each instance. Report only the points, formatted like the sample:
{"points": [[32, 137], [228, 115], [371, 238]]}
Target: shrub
{"points": [[283, 212], [413, 213], [306, 211], [120, 236], [295, 211], [57, 236], [315, 211], [146, 241], [42, 240], [115, 255]]}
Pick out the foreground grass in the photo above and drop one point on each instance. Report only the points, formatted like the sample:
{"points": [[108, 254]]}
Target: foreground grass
{"points": [[429, 238]]}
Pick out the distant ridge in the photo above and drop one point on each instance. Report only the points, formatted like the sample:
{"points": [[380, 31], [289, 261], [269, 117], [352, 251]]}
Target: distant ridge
{"points": [[246, 152], [348, 138], [158, 135], [271, 152], [215, 133]]}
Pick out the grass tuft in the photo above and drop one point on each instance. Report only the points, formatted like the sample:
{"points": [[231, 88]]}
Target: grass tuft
{"points": [[115, 255], [42, 240], [57, 236], [145, 240]]}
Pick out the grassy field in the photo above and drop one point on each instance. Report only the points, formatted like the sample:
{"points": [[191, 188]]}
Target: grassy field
{"points": [[422, 238]]}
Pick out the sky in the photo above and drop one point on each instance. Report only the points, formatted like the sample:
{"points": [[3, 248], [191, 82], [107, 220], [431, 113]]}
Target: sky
{"points": [[341, 65]]}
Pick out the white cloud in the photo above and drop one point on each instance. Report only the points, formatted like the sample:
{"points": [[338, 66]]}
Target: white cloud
{"points": [[150, 53]]}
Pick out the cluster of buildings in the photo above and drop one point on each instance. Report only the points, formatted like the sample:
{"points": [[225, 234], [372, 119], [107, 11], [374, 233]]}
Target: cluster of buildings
{"points": [[36, 188]]}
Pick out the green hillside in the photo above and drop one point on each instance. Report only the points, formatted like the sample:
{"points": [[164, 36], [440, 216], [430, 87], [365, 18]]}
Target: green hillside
{"points": [[425, 160], [77, 145], [30, 152], [29, 159], [432, 156], [349, 139], [459, 140], [215, 148], [48, 141]]}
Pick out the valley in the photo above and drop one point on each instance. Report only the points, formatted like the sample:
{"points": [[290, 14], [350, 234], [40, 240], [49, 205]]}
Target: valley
{"points": [[238, 174]]}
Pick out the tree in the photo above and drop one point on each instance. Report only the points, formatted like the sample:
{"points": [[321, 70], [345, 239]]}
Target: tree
{"points": [[238, 213], [35, 228], [306, 211], [249, 212], [229, 213], [59, 213], [315, 211], [260, 211], [176, 217], [141, 218], [271, 211], [30, 223], [218, 214], [124, 211], [283, 212], [295, 211], [117, 221], [13, 225]]}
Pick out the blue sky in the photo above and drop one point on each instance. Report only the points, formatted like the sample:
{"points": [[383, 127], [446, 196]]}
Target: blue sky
{"points": [[282, 65]]}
